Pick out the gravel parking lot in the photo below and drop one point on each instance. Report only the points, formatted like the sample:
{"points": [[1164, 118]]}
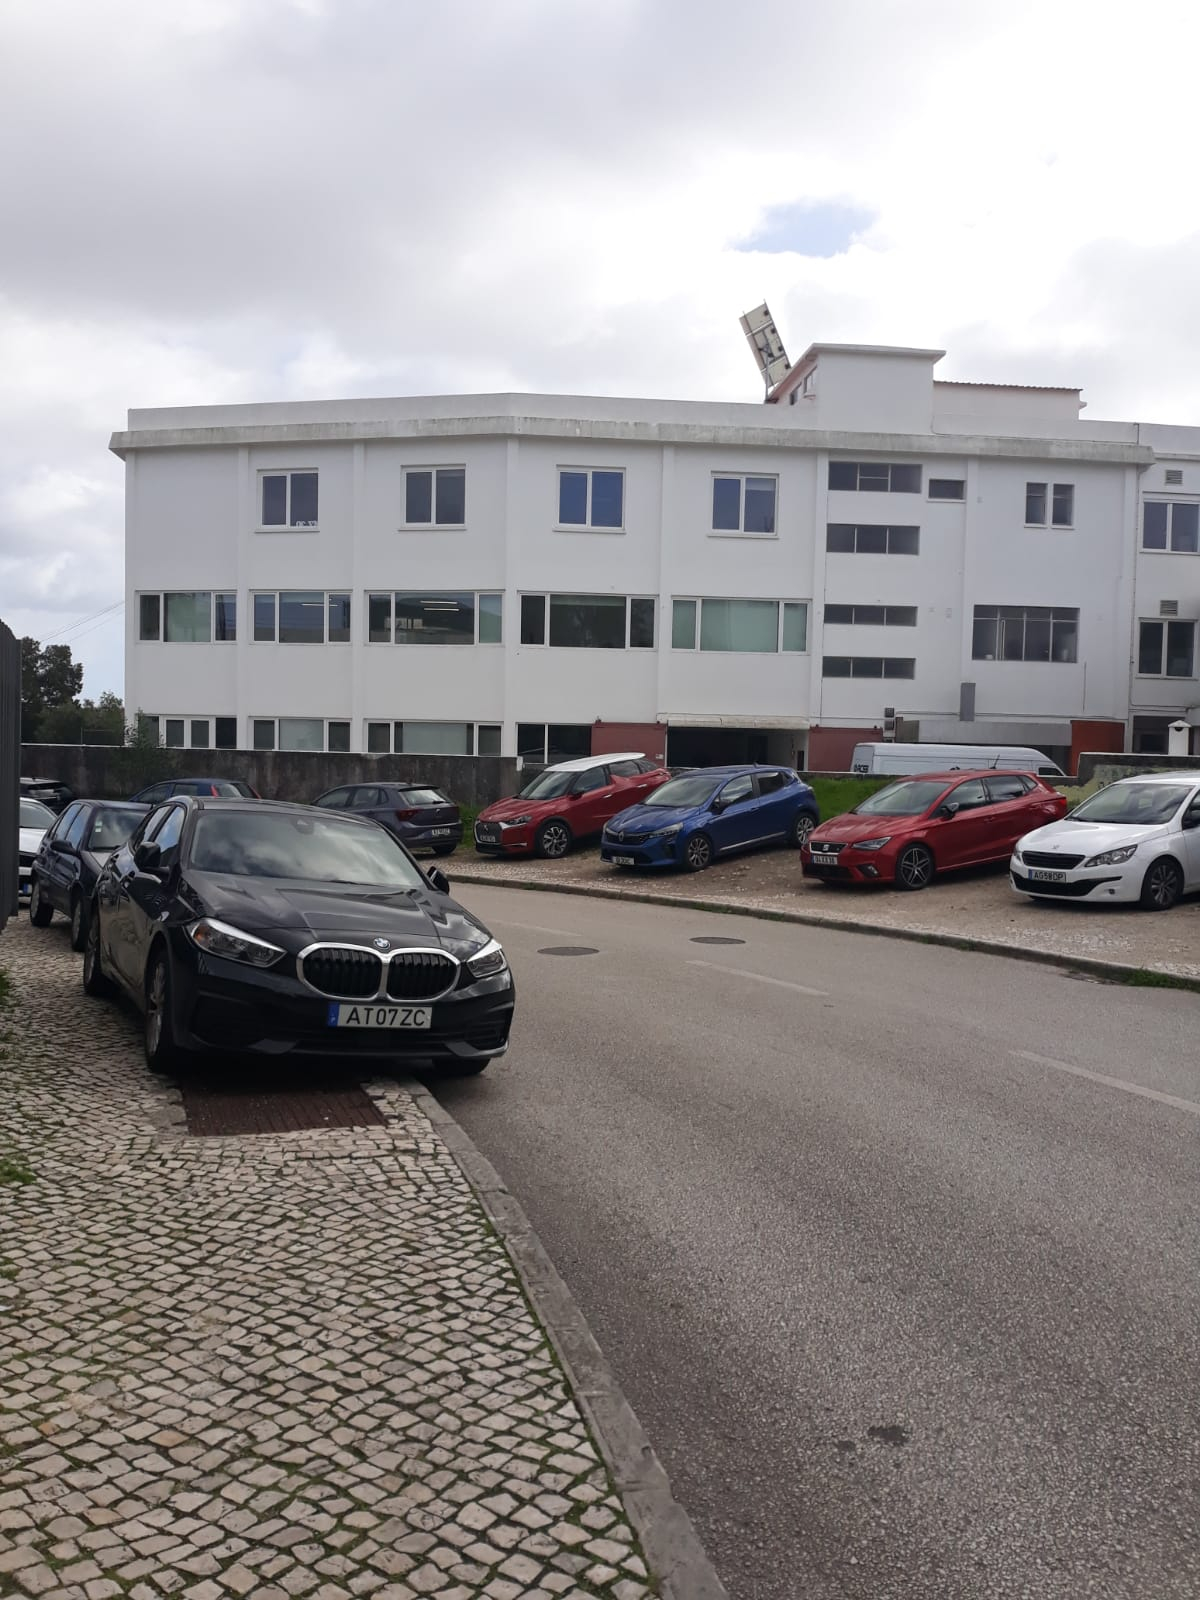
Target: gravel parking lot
{"points": [[978, 904]]}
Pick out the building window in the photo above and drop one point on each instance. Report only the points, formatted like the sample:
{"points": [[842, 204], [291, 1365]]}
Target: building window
{"points": [[225, 618], [872, 539], [541, 743], [487, 739], [588, 621], [1061, 497], [947, 489], [1171, 525], [1025, 633], [433, 738], [1167, 649], [744, 504], [301, 616], [288, 499], [1151, 736], [435, 616], [299, 733], [868, 666], [195, 733], [187, 616], [729, 626], [591, 498], [878, 477], [226, 733], [871, 616], [435, 497]]}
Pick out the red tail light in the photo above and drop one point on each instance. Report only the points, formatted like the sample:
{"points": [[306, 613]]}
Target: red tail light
{"points": [[405, 816]]}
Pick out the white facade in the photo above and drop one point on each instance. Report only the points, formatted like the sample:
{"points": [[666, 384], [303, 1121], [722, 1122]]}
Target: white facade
{"points": [[864, 485]]}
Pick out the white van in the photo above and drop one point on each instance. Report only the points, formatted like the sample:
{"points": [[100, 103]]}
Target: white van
{"points": [[908, 759]]}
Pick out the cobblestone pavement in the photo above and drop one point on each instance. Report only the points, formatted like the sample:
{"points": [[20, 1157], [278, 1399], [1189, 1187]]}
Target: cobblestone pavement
{"points": [[275, 1366]]}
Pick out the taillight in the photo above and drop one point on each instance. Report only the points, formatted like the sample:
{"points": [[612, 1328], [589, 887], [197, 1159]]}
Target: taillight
{"points": [[405, 816]]}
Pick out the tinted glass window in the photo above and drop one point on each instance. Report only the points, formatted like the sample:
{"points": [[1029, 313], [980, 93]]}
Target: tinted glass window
{"points": [[969, 795], [167, 835], [336, 799], [548, 786], [274, 844], [901, 799], [693, 790], [1006, 788], [1139, 804], [78, 828], [625, 769], [421, 797], [771, 782], [35, 815], [110, 828], [587, 781], [736, 789], [533, 619], [63, 822]]}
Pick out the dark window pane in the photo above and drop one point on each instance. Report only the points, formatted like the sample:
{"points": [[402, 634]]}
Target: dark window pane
{"points": [[274, 500], [418, 497], [760, 505], [487, 739], [683, 625], [173, 733], [533, 620], [226, 617], [149, 616], [339, 619], [1035, 503], [1012, 636], [641, 624], [727, 504], [568, 741], [871, 540], [947, 488], [838, 615], [264, 617], [1150, 648], [898, 667], [869, 615], [339, 736], [198, 733], [901, 616], [983, 638], [904, 541], [840, 536], [379, 618], [531, 738], [1037, 639], [379, 738], [263, 733], [452, 495], [1180, 649], [187, 616], [835, 666], [491, 618], [304, 499], [226, 733], [572, 499], [866, 667], [906, 478], [607, 499], [588, 622], [1064, 637], [874, 476], [1185, 520], [301, 617], [843, 475], [1063, 509], [1154, 525], [435, 619]]}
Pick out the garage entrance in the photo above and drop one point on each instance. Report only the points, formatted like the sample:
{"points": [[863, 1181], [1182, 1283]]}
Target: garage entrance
{"points": [[721, 747]]}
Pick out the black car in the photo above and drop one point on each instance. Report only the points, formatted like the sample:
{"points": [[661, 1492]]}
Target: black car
{"points": [[69, 859], [258, 926], [419, 815], [49, 791], [217, 788]]}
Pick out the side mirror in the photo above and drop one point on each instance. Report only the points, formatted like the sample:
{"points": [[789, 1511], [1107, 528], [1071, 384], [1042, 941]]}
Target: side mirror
{"points": [[147, 858], [61, 847], [1191, 819], [717, 806], [438, 880], [949, 810]]}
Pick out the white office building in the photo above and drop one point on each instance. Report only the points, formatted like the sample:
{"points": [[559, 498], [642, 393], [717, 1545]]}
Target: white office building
{"points": [[550, 574]]}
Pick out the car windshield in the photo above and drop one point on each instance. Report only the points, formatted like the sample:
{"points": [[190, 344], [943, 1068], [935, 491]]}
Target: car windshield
{"points": [[277, 844], [692, 790], [902, 799], [110, 828], [548, 785], [35, 815], [1138, 804]]}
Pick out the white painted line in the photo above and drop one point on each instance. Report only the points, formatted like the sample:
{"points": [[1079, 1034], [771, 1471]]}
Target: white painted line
{"points": [[1174, 1100], [761, 977]]}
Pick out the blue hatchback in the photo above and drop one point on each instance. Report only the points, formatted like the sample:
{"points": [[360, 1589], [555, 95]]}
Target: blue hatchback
{"points": [[711, 812]]}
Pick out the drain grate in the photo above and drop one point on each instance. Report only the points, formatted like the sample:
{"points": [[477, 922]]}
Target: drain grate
{"points": [[215, 1112], [569, 950], [715, 938]]}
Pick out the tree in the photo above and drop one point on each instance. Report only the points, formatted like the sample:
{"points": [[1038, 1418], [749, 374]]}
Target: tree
{"points": [[32, 702], [143, 759], [50, 679]]}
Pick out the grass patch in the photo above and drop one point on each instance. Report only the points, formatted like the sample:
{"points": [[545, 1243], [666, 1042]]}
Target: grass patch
{"points": [[1146, 978], [14, 1171], [835, 795]]}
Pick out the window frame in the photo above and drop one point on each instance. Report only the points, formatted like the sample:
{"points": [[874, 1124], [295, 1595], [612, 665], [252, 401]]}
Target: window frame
{"points": [[998, 621], [547, 595], [1165, 623], [287, 526], [188, 720], [741, 479], [887, 528], [882, 676], [1169, 548], [326, 596], [392, 723], [389, 595], [946, 499], [875, 469], [697, 602], [1050, 493], [160, 597], [587, 526], [863, 622], [433, 526], [326, 723]]}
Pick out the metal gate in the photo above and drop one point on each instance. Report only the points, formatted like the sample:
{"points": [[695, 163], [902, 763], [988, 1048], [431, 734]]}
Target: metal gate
{"points": [[10, 769]]}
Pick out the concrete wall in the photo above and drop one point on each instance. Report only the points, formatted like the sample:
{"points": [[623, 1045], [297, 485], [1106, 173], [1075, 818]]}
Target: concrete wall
{"points": [[1107, 768]]}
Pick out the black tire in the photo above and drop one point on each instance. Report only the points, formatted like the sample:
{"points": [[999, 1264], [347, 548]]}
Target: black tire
{"points": [[803, 824], [1162, 885], [41, 912], [914, 868], [698, 852], [444, 849], [553, 840], [158, 1031], [95, 980], [79, 922]]}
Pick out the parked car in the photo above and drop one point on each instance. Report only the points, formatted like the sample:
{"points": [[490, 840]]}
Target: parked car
{"points": [[70, 856], [32, 822], [278, 929], [565, 803], [49, 791], [711, 812], [1137, 840], [912, 829], [215, 788], [909, 760], [421, 817]]}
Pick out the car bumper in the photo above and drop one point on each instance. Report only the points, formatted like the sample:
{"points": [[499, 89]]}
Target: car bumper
{"points": [[1112, 885], [504, 841], [649, 853], [431, 838], [852, 866]]}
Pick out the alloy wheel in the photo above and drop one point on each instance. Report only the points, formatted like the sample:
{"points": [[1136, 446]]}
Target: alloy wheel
{"points": [[77, 924], [556, 841], [801, 829], [914, 868], [1162, 885], [156, 999], [698, 853]]}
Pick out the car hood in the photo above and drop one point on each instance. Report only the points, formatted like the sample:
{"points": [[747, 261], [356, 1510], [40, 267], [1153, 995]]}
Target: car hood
{"points": [[1089, 838], [29, 838], [311, 911], [650, 819], [849, 828], [506, 810]]}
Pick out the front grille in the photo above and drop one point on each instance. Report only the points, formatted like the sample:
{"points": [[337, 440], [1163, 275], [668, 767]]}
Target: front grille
{"points": [[825, 849], [420, 975], [487, 830], [1041, 858], [1066, 891], [628, 838], [344, 974]]}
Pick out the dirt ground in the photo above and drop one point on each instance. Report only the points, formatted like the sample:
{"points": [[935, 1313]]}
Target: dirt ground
{"points": [[978, 904]]}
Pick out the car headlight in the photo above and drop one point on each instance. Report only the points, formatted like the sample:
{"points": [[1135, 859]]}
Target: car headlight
{"points": [[220, 939], [1112, 858], [488, 962], [516, 822], [872, 844], [667, 833]]}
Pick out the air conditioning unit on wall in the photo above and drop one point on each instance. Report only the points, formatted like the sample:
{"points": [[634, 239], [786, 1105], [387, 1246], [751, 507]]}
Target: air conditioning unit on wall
{"points": [[889, 722]]}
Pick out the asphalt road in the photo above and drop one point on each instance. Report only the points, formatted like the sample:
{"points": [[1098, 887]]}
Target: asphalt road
{"points": [[906, 1296]]}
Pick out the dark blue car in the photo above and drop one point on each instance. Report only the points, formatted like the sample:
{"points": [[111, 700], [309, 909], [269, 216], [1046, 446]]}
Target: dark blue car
{"points": [[711, 812]]}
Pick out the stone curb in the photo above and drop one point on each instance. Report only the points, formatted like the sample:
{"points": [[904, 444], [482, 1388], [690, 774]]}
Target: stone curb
{"points": [[1114, 971], [671, 1545]]}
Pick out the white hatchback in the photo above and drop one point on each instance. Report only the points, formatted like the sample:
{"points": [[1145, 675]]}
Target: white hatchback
{"points": [[1137, 840]]}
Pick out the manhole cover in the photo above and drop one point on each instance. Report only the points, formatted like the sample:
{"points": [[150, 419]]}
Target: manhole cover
{"points": [[715, 938], [213, 1112], [569, 950]]}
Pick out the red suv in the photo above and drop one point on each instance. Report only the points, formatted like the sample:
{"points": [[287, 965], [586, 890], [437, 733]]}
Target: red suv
{"points": [[918, 826], [565, 803]]}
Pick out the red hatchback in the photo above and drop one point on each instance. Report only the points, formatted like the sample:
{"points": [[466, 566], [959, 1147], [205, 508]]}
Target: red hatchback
{"points": [[565, 803], [918, 826]]}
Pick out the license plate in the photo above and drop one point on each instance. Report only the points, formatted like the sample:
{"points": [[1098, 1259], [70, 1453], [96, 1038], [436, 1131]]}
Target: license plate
{"points": [[440, 833], [824, 858], [363, 1016], [1041, 875], [622, 861]]}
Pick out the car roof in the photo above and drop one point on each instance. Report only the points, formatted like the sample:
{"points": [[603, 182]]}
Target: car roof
{"points": [[732, 768], [115, 805], [582, 763], [1183, 775], [959, 773]]}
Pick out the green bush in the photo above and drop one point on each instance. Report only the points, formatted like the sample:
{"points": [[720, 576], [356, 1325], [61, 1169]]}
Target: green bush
{"points": [[835, 795]]}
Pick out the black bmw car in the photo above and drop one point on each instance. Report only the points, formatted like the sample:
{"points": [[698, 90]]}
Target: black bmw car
{"points": [[250, 925]]}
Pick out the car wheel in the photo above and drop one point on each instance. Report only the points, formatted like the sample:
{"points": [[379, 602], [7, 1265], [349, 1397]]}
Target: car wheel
{"points": [[96, 982], [41, 912], [698, 852], [1161, 887], [553, 840], [802, 825], [444, 849], [914, 869], [78, 922], [159, 1030]]}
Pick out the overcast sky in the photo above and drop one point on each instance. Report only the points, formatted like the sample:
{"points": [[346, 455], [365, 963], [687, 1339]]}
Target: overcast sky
{"points": [[223, 200]]}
